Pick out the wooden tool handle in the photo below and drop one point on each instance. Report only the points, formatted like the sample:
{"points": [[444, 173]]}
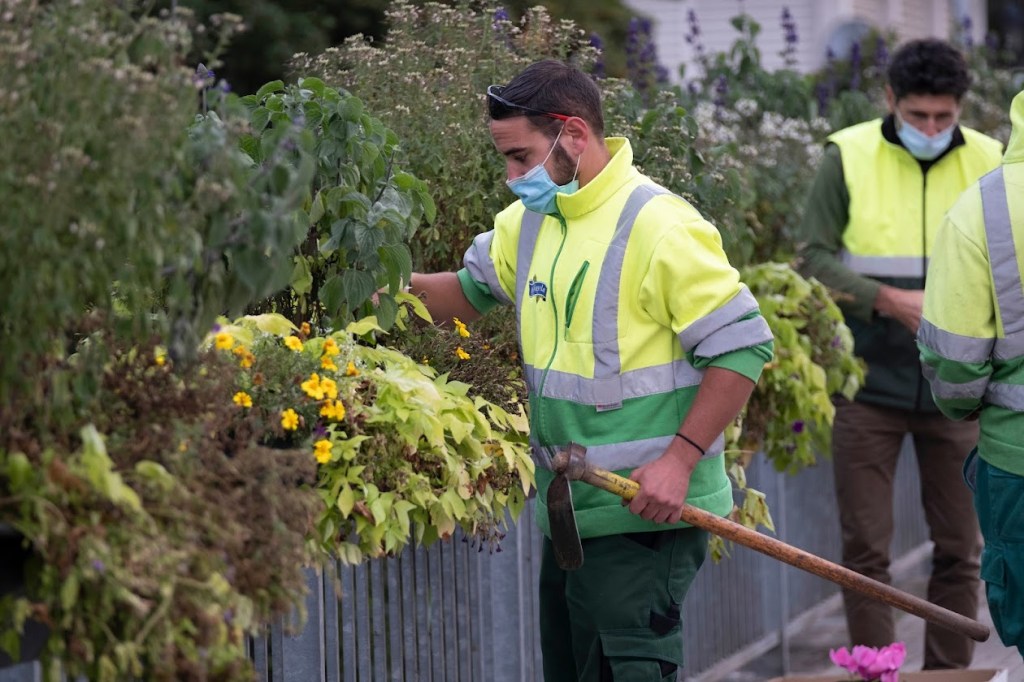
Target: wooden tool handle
{"points": [[730, 530]]}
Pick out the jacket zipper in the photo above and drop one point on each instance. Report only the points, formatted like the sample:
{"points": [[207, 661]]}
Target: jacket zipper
{"points": [[924, 268], [554, 350], [574, 295]]}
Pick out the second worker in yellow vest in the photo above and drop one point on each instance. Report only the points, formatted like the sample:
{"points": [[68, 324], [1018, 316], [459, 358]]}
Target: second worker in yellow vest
{"points": [[869, 225]]}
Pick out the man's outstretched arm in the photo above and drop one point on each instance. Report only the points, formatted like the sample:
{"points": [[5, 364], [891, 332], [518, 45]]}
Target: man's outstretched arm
{"points": [[442, 294]]}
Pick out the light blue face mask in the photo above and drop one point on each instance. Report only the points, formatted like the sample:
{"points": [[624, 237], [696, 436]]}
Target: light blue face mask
{"points": [[537, 190], [920, 145]]}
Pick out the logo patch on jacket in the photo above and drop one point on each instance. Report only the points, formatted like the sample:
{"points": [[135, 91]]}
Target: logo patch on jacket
{"points": [[538, 289]]}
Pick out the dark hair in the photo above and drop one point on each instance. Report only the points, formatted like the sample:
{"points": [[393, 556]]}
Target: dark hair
{"points": [[928, 67], [550, 86]]}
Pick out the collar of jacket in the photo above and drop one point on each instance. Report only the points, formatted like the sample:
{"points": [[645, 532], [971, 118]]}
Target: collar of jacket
{"points": [[614, 175], [889, 133]]}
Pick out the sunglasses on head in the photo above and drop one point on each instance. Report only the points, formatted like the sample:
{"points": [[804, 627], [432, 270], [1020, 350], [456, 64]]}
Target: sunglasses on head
{"points": [[494, 94]]}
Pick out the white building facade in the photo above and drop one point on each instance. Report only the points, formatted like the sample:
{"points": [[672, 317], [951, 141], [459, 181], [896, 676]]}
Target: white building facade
{"points": [[820, 25]]}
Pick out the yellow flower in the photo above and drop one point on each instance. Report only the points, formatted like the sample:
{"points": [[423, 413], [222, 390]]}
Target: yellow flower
{"points": [[461, 354], [322, 450], [294, 343], [242, 399], [247, 360], [289, 420], [238, 350], [351, 370], [304, 328], [329, 388], [159, 356], [460, 327], [331, 347], [313, 388], [328, 364], [333, 409], [223, 341]]}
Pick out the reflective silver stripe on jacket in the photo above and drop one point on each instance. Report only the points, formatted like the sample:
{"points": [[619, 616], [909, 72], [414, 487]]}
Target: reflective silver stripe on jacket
{"points": [[1006, 278], [729, 333], [480, 265], [607, 383], [948, 390], [628, 455], [636, 383], [885, 266], [954, 346]]}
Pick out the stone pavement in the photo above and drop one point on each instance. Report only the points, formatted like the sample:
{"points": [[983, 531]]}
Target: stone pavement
{"points": [[825, 629]]}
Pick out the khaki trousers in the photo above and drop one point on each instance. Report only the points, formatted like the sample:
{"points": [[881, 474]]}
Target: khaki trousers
{"points": [[866, 442]]}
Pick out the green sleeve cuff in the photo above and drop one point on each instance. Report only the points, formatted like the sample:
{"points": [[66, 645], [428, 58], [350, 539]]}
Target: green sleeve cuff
{"points": [[477, 293], [749, 362]]}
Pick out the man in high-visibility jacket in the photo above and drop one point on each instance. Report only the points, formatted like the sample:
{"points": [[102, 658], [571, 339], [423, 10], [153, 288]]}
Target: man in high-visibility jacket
{"points": [[972, 345], [867, 232], [638, 341]]}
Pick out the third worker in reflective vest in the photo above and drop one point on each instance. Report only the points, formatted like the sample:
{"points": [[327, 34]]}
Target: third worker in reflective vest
{"points": [[972, 344], [869, 226]]}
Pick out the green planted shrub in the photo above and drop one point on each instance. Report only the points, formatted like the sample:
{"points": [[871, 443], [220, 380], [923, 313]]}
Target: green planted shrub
{"points": [[162, 532], [789, 416], [427, 83], [406, 454], [360, 207]]}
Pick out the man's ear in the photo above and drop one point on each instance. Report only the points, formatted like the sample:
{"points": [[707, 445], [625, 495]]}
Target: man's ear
{"points": [[578, 133], [890, 99]]}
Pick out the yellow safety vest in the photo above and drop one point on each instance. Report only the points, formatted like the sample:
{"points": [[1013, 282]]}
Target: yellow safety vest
{"points": [[895, 209]]}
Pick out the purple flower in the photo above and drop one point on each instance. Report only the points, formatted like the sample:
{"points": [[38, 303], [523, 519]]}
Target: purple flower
{"points": [[881, 55], [789, 29], [721, 90], [855, 63], [500, 14], [692, 36], [798, 426], [99, 566], [837, 341], [965, 31], [598, 44]]}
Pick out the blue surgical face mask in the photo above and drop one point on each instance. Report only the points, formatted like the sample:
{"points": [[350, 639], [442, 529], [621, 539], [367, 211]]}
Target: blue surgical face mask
{"points": [[920, 145], [537, 190]]}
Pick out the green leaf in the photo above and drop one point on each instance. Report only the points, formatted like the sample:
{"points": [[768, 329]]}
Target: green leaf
{"points": [[268, 88], [302, 277], [346, 500], [69, 591], [272, 323], [314, 84], [332, 294]]}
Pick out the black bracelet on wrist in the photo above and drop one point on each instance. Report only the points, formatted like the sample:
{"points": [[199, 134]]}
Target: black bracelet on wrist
{"points": [[690, 441]]}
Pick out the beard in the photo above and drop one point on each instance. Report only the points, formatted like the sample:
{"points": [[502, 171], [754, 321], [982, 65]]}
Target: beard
{"points": [[564, 167]]}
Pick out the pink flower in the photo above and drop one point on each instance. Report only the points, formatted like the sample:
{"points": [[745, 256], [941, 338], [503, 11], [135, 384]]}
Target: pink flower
{"points": [[871, 663]]}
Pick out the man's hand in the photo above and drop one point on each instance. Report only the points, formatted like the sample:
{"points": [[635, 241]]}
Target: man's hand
{"points": [[664, 483], [902, 305]]}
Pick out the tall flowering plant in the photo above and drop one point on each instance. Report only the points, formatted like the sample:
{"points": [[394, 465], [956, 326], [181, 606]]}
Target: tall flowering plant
{"points": [[873, 664]]}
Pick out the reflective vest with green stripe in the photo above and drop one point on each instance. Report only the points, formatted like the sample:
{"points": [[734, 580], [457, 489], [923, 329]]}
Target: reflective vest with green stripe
{"points": [[984, 368], [616, 306], [894, 212]]}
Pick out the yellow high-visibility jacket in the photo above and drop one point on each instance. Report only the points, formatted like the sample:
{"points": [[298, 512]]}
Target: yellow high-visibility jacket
{"points": [[622, 300], [972, 335]]}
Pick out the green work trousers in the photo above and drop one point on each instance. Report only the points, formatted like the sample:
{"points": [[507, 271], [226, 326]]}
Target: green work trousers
{"points": [[618, 617], [999, 501]]}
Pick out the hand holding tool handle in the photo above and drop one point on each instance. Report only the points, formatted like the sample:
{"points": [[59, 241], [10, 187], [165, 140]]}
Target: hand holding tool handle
{"points": [[578, 469]]}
